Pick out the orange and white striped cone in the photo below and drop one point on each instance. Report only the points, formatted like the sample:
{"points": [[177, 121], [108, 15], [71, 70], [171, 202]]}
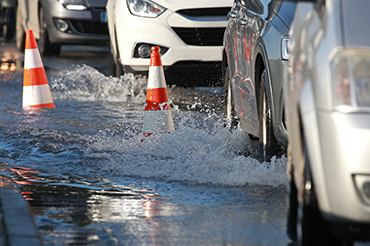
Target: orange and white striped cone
{"points": [[157, 116], [36, 91]]}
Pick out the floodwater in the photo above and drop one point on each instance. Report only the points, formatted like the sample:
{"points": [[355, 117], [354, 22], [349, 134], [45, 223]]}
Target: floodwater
{"points": [[90, 180]]}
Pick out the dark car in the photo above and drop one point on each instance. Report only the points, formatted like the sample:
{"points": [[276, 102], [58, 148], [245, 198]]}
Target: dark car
{"points": [[255, 63], [60, 22]]}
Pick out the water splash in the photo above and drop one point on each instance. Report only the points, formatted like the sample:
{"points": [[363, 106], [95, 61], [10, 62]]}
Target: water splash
{"points": [[191, 155], [101, 136], [88, 84]]}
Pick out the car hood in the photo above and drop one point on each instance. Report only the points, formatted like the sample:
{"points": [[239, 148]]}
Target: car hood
{"points": [[175, 5], [355, 23]]}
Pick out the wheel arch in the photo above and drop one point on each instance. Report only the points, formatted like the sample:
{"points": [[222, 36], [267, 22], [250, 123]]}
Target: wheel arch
{"points": [[258, 70], [259, 66]]}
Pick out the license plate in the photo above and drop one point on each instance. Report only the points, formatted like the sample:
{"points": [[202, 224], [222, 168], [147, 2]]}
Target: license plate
{"points": [[103, 17]]}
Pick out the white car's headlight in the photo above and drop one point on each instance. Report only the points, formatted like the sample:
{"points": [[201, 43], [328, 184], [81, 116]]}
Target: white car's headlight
{"points": [[351, 80], [74, 4], [145, 8]]}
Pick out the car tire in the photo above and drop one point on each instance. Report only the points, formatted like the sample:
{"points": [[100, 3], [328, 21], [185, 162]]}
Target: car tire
{"points": [[115, 66], [311, 227], [8, 21], [45, 47], [230, 119], [268, 143], [20, 33], [291, 229]]}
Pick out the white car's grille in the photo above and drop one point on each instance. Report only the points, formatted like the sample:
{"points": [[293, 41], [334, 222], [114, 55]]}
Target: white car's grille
{"points": [[201, 36], [210, 12]]}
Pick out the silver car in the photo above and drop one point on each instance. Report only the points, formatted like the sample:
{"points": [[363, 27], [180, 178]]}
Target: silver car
{"points": [[59, 22], [328, 118], [255, 59]]}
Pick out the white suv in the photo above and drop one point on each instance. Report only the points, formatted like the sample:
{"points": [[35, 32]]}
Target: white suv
{"points": [[187, 32]]}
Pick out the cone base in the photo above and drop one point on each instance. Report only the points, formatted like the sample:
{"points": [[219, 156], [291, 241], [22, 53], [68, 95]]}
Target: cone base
{"points": [[45, 105], [149, 134]]}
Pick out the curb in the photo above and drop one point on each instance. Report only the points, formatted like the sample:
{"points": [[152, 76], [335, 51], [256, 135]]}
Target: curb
{"points": [[20, 228]]}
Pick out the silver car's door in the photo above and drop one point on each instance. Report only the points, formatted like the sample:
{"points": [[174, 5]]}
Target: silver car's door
{"points": [[250, 29]]}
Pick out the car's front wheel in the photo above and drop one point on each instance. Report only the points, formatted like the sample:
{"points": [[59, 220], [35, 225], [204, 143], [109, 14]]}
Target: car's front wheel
{"points": [[268, 143], [115, 66], [20, 33], [311, 227], [292, 210], [45, 47]]}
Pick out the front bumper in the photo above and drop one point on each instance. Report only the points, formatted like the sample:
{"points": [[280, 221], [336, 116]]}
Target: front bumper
{"points": [[345, 155], [161, 31], [85, 27]]}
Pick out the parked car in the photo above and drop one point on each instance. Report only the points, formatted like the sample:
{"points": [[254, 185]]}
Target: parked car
{"points": [[328, 118], [7, 19], [189, 33], [255, 59], [59, 22]]}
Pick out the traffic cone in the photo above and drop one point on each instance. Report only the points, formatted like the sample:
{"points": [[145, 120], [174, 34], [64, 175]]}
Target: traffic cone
{"points": [[157, 115], [36, 91]]}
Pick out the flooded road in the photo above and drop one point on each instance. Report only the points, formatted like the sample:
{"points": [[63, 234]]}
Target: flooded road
{"points": [[90, 181]]}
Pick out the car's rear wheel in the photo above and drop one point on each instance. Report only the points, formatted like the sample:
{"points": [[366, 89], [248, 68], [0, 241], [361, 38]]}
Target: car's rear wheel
{"points": [[268, 142], [230, 119], [45, 47], [20, 33]]}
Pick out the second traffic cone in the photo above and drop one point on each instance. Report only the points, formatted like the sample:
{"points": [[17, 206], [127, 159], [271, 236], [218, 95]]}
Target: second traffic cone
{"points": [[36, 91], [157, 116]]}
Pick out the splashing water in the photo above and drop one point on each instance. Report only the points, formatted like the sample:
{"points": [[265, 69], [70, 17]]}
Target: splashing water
{"points": [[199, 151], [88, 84]]}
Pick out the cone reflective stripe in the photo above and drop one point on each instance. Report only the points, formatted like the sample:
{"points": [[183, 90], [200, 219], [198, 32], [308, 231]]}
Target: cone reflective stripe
{"points": [[157, 116], [36, 91]]}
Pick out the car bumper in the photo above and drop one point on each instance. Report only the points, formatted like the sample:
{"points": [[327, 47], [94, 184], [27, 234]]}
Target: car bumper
{"points": [[344, 141], [85, 27], [159, 31]]}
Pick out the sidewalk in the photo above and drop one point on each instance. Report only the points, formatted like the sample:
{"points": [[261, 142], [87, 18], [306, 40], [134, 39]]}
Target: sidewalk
{"points": [[18, 227]]}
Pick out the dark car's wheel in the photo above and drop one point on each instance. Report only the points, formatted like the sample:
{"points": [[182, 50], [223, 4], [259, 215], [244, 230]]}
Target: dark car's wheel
{"points": [[20, 33], [231, 120], [8, 21], [45, 47], [268, 143], [115, 66]]}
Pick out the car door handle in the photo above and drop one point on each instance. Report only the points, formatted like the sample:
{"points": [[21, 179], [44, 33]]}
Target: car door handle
{"points": [[232, 15], [243, 22]]}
